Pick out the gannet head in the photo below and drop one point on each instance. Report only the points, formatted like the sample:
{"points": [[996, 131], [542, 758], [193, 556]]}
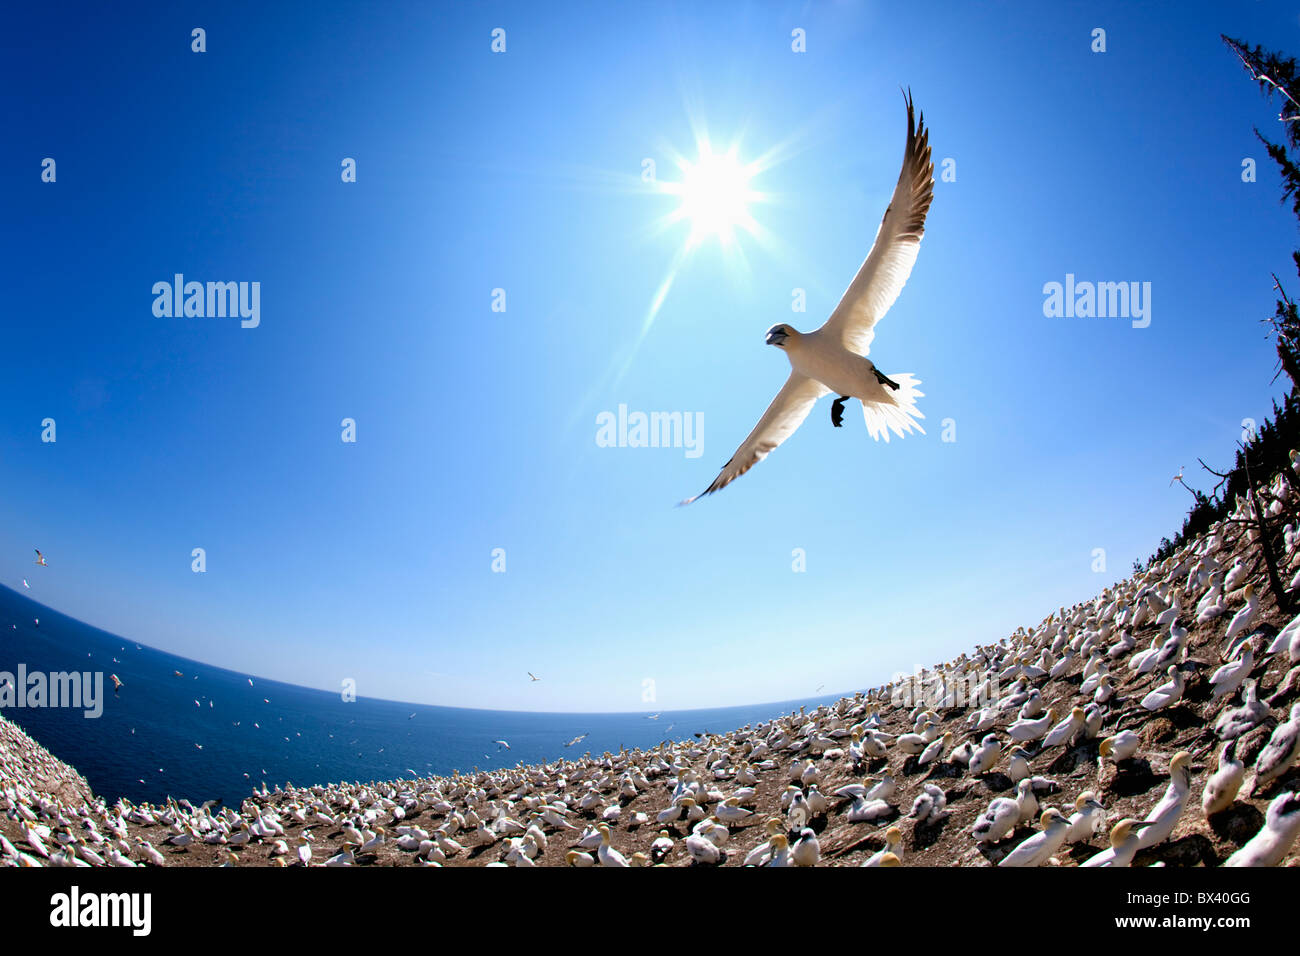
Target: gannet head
{"points": [[1181, 764], [1287, 805], [779, 334], [1125, 827], [1120, 831]]}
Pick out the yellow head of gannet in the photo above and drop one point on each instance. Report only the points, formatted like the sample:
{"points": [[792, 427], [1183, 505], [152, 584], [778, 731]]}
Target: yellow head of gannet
{"points": [[780, 851], [890, 859], [1121, 831], [1120, 746]]}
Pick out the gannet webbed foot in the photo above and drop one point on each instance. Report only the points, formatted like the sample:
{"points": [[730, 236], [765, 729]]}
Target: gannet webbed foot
{"points": [[837, 410], [885, 379]]}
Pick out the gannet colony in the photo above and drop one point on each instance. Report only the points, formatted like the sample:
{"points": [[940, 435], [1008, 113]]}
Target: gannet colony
{"points": [[1155, 725]]}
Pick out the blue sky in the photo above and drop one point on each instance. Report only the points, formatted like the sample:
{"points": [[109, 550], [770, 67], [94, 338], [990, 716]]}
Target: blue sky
{"points": [[476, 429]]}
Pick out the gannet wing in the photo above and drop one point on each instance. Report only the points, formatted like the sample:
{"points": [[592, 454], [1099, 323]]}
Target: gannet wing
{"points": [[786, 413], [882, 276]]}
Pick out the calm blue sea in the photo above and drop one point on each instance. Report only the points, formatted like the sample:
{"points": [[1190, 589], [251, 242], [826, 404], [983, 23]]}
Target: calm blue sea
{"points": [[143, 746]]}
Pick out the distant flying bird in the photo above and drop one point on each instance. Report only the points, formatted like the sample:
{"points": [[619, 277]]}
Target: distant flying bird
{"points": [[530, 675], [576, 740], [40, 558], [652, 717], [410, 716], [178, 673], [117, 684], [1177, 477], [502, 743], [26, 585], [833, 358]]}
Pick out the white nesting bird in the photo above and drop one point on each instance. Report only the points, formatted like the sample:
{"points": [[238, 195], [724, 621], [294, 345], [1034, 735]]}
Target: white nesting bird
{"points": [[1066, 730], [929, 804], [806, 851], [985, 755], [1237, 720], [996, 822], [1228, 678], [1279, 753], [1028, 731], [1288, 639], [704, 851], [1170, 808], [893, 847], [1244, 618], [1036, 850], [1089, 817], [605, 853], [1275, 837], [1168, 693], [833, 358], [1124, 838], [1222, 787]]}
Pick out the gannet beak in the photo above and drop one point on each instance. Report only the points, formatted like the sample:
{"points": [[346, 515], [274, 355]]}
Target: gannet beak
{"points": [[775, 338]]}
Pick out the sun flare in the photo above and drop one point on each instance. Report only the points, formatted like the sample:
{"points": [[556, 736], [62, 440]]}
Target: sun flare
{"points": [[715, 195]]}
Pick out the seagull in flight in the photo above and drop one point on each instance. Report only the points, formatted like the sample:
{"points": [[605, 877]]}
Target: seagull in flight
{"points": [[40, 558], [833, 358], [531, 677], [502, 743], [576, 740]]}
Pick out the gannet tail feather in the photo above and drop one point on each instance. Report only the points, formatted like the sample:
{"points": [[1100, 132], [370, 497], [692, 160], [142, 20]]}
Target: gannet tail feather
{"points": [[898, 412]]}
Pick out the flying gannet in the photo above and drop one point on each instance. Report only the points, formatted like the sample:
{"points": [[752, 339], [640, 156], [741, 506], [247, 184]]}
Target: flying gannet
{"points": [[833, 358]]}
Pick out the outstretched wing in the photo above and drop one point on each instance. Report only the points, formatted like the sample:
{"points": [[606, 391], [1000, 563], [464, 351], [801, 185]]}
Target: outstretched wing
{"points": [[882, 276], [786, 413]]}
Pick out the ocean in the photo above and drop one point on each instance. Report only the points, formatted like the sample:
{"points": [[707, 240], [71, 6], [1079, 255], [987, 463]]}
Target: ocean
{"points": [[211, 733]]}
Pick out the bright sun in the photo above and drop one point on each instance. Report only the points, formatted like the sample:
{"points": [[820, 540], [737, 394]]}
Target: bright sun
{"points": [[715, 196]]}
